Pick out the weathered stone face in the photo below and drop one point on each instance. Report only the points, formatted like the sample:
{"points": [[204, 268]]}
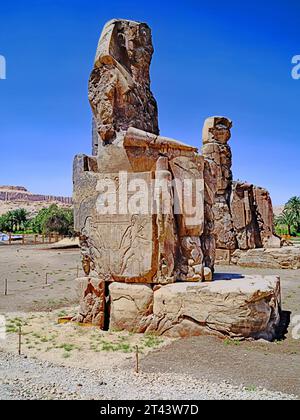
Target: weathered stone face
{"points": [[119, 87], [287, 257]]}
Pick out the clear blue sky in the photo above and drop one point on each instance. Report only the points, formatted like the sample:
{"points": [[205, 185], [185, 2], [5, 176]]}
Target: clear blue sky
{"points": [[211, 58]]}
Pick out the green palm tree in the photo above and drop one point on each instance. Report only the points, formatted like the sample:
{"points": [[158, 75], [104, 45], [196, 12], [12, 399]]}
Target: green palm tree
{"points": [[21, 218], [11, 220], [16, 219], [286, 218], [293, 206]]}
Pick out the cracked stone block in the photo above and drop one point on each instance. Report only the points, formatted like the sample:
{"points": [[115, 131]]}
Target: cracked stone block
{"points": [[248, 307], [130, 303], [239, 308], [91, 293]]}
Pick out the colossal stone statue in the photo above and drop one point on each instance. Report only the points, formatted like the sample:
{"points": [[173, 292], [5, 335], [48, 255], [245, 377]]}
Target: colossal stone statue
{"points": [[242, 213], [140, 201], [150, 212], [216, 134]]}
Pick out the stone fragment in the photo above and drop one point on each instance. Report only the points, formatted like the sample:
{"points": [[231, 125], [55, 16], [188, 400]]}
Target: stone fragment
{"points": [[91, 293], [272, 242]]}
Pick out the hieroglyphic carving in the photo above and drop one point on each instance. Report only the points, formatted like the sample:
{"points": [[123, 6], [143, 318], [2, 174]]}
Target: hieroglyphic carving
{"points": [[166, 227], [122, 247]]}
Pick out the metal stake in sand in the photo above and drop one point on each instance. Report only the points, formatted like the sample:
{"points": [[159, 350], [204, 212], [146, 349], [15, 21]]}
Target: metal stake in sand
{"points": [[46, 279], [20, 341], [137, 367], [5, 287]]}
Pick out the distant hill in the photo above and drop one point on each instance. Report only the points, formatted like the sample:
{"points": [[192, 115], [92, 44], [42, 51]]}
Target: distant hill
{"points": [[15, 197]]}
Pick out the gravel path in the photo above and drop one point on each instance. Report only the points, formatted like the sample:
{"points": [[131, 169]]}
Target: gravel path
{"points": [[23, 378]]}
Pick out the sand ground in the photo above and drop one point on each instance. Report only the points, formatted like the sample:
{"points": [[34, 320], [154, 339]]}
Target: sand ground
{"points": [[25, 268], [37, 306]]}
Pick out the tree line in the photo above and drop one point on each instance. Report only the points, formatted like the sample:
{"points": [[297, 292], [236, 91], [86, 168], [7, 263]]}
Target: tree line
{"points": [[53, 219], [289, 219]]}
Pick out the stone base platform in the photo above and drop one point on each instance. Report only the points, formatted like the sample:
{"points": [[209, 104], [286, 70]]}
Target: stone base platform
{"points": [[243, 308], [287, 257]]}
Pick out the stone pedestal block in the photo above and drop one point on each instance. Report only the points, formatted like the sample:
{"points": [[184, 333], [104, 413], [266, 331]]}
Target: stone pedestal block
{"points": [[241, 308], [129, 304]]}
